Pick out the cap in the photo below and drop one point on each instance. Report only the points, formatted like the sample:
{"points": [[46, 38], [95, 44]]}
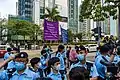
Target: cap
{"points": [[22, 55]]}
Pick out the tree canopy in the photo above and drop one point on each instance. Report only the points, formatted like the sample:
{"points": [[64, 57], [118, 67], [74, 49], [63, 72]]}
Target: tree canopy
{"points": [[99, 11], [52, 14], [24, 28]]}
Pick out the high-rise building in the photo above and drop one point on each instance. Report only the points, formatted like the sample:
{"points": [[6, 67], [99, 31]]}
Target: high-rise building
{"points": [[16, 8], [25, 9], [113, 27], [36, 12], [85, 27], [73, 19]]}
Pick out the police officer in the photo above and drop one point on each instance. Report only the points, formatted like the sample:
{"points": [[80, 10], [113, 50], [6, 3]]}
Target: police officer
{"points": [[54, 64], [11, 64], [61, 55], [36, 66], [101, 62], [7, 55], [22, 72], [43, 60], [81, 52]]}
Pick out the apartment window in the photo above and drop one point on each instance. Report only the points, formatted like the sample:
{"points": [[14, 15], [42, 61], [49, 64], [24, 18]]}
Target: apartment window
{"points": [[41, 17], [42, 10], [28, 12], [27, 6]]}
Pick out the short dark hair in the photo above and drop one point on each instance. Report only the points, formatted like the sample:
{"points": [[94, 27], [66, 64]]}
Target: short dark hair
{"points": [[9, 49], [104, 49], [61, 47], [82, 47], [34, 61], [77, 73], [43, 51], [52, 61]]}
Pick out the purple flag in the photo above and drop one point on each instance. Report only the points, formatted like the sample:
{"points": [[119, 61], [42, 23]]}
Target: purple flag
{"points": [[51, 31]]}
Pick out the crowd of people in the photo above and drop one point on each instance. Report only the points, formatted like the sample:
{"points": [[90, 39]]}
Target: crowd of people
{"points": [[67, 63]]}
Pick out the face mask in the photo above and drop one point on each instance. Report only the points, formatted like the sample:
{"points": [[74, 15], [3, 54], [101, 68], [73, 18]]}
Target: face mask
{"points": [[58, 67], [81, 57], [12, 55], [39, 64], [19, 66]]}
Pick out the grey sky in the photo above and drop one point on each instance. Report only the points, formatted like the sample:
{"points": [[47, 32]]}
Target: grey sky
{"points": [[7, 7]]}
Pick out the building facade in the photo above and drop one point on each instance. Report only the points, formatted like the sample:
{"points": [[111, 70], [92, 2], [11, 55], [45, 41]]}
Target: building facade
{"points": [[73, 19], [36, 12], [25, 9]]}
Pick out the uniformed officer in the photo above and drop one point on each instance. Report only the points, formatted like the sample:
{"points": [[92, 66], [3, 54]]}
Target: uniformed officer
{"points": [[54, 64], [35, 63], [7, 55], [43, 60], [60, 54], [100, 62], [4, 75], [11, 64], [81, 56], [22, 72]]}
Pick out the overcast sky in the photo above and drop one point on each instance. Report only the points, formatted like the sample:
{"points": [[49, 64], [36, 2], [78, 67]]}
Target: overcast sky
{"points": [[7, 7]]}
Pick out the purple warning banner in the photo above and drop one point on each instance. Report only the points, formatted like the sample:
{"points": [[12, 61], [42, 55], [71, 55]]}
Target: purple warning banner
{"points": [[51, 30]]}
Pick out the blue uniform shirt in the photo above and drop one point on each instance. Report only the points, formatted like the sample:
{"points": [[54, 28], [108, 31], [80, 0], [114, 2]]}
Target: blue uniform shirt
{"points": [[98, 53], [93, 71], [78, 65], [54, 76], [62, 63], [43, 61], [11, 64], [100, 67], [38, 71], [3, 75], [7, 55], [26, 75]]}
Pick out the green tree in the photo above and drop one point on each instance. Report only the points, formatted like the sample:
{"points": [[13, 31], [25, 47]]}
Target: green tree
{"points": [[52, 14], [70, 36], [2, 27], [24, 28], [79, 36], [99, 11]]}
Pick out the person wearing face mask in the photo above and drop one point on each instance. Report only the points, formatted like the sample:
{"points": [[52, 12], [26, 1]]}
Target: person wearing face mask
{"points": [[61, 55], [36, 66], [43, 60], [54, 64], [81, 58], [22, 72], [11, 64]]}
